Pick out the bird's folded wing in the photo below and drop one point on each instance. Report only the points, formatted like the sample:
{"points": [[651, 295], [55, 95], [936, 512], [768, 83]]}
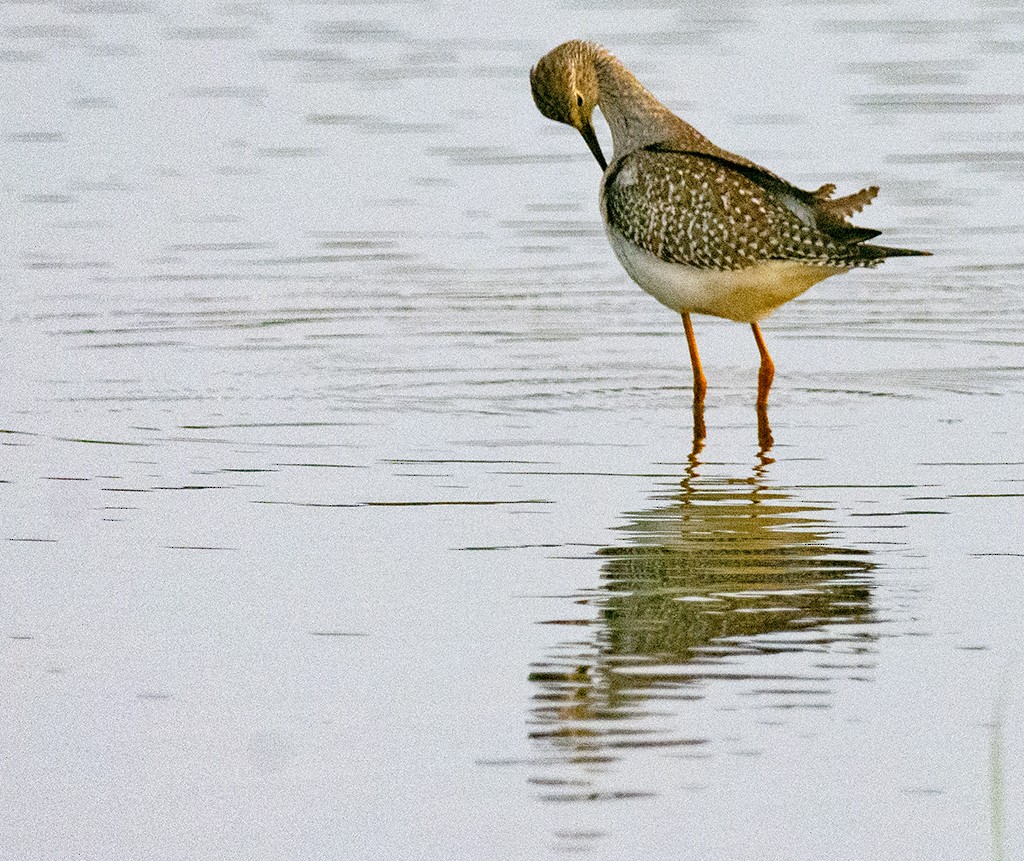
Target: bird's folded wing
{"points": [[706, 212]]}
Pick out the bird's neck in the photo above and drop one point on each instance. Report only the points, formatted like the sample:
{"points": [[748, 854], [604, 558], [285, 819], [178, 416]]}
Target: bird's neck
{"points": [[636, 118]]}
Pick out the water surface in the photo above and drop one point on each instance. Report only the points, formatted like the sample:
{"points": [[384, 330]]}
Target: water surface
{"points": [[350, 501]]}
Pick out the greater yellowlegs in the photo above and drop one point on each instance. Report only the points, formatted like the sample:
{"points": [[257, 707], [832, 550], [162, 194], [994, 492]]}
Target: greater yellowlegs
{"points": [[702, 230]]}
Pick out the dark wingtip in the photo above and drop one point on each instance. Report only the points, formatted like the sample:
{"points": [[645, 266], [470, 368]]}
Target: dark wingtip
{"points": [[880, 252], [847, 233]]}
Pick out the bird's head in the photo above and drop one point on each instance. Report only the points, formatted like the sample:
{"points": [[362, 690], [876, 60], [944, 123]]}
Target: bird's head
{"points": [[565, 89]]}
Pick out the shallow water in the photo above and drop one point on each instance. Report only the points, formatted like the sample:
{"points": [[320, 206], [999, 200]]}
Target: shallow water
{"points": [[350, 502]]}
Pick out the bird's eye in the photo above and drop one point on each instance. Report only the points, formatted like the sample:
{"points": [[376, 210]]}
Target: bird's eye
{"points": [[579, 100]]}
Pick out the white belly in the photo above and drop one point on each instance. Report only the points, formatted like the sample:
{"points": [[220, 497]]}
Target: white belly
{"points": [[744, 295]]}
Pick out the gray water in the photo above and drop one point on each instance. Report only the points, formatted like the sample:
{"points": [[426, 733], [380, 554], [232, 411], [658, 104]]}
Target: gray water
{"points": [[349, 505]]}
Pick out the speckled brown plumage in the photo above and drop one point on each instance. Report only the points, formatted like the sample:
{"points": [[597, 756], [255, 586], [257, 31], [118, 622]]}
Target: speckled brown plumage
{"points": [[700, 211]]}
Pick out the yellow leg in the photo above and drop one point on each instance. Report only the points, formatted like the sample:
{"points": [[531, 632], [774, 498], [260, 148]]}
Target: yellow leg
{"points": [[700, 386], [767, 372], [700, 383], [764, 383]]}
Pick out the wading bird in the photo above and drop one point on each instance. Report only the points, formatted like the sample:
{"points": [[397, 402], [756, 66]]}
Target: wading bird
{"points": [[702, 230]]}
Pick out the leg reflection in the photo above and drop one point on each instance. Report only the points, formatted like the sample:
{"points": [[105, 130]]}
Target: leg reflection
{"points": [[699, 430], [764, 434], [693, 461]]}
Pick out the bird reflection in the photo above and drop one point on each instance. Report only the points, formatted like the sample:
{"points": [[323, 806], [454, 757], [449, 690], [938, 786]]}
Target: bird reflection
{"points": [[721, 571]]}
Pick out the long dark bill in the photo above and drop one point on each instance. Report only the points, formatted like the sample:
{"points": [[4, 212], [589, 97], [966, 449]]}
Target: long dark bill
{"points": [[590, 136]]}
